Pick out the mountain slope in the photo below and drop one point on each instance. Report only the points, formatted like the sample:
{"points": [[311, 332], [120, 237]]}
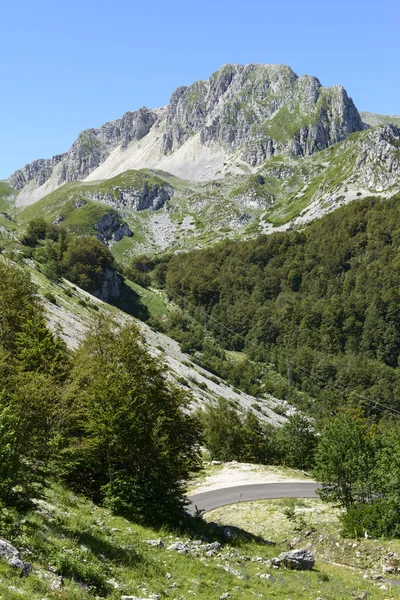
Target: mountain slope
{"points": [[252, 149], [244, 114], [71, 311], [168, 213], [373, 119]]}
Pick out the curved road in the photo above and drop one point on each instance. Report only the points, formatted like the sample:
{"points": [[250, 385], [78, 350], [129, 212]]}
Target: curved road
{"points": [[258, 491], [245, 493]]}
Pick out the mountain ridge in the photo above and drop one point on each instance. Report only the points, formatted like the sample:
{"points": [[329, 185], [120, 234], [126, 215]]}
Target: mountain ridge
{"points": [[243, 113]]}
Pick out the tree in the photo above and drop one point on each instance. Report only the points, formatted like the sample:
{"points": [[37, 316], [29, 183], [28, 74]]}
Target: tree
{"points": [[345, 461], [86, 261], [33, 365], [29, 404], [298, 440], [222, 431], [255, 448], [17, 303], [130, 442], [35, 231]]}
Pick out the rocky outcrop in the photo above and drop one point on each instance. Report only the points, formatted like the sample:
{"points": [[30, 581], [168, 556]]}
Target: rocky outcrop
{"points": [[149, 195], [13, 558], [377, 166], [261, 110], [111, 228], [300, 560], [38, 171], [111, 286], [6, 216], [256, 110], [91, 148]]}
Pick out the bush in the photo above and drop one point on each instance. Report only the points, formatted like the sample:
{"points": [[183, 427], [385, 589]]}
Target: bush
{"points": [[50, 297], [375, 518]]}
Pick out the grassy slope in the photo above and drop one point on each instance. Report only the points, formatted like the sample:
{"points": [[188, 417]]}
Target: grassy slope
{"points": [[316, 525], [6, 195], [79, 219], [228, 208], [95, 552], [62, 201]]}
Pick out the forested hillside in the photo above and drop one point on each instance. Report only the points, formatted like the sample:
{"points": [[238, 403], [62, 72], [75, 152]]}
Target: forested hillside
{"points": [[104, 419], [321, 304]]}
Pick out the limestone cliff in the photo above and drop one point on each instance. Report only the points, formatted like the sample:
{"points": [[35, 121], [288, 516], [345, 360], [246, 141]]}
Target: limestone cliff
{"points": [[248, 112]]}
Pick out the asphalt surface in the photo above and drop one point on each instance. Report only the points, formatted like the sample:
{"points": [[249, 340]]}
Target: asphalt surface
{"points": [[246, 493]]}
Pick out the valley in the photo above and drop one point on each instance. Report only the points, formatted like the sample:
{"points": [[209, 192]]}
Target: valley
{"points": [[195, 298]]}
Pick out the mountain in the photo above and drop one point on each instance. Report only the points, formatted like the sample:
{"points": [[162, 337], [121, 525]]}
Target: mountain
{"points": [[372, 119], [252, 149], [249, 112]]}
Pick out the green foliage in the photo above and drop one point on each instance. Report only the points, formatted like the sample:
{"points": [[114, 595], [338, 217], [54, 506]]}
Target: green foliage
{"points": [[229, 436], [298, 440], [372, 518], [129, 443], [345, 461], [222, 431], [17, 303], [33, 366], [321, 306], [50, 297], [85, 261], [36, 230], [138, 270]]}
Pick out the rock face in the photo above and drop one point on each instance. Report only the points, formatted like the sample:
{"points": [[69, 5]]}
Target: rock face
{"points": [[111, 286], [12, 556], [300, 560], [254, 111], [137, 198], [91, 148], [377, 166], [110, 228], [38, 171], [261, 110]]}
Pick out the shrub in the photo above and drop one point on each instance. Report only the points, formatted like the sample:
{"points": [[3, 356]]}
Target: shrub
{"points": [[50, 297], [374, 518]]}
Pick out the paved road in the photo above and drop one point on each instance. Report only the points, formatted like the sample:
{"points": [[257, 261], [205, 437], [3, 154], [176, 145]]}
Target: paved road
{"points": [[245, 493], [259, 491]]}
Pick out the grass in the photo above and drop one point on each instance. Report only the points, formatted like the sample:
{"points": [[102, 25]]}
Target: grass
{"points": [[152, 301], [100, 555], [6, 190], [316, 525], [236, 357]]}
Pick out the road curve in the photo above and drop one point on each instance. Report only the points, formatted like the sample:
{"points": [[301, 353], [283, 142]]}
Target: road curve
{"points": [[245, 493]]}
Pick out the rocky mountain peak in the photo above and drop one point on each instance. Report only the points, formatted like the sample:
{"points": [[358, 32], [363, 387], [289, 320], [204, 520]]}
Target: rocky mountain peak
{"points": [[261, 110], [247, 113]]}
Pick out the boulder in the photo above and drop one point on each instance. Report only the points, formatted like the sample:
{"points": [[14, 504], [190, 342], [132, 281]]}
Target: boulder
{"points": [[300, 560], [155, 543], [12, 556]]}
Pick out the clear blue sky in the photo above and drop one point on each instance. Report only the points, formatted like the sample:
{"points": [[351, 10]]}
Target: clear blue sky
{"points": [[69, 65]]}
